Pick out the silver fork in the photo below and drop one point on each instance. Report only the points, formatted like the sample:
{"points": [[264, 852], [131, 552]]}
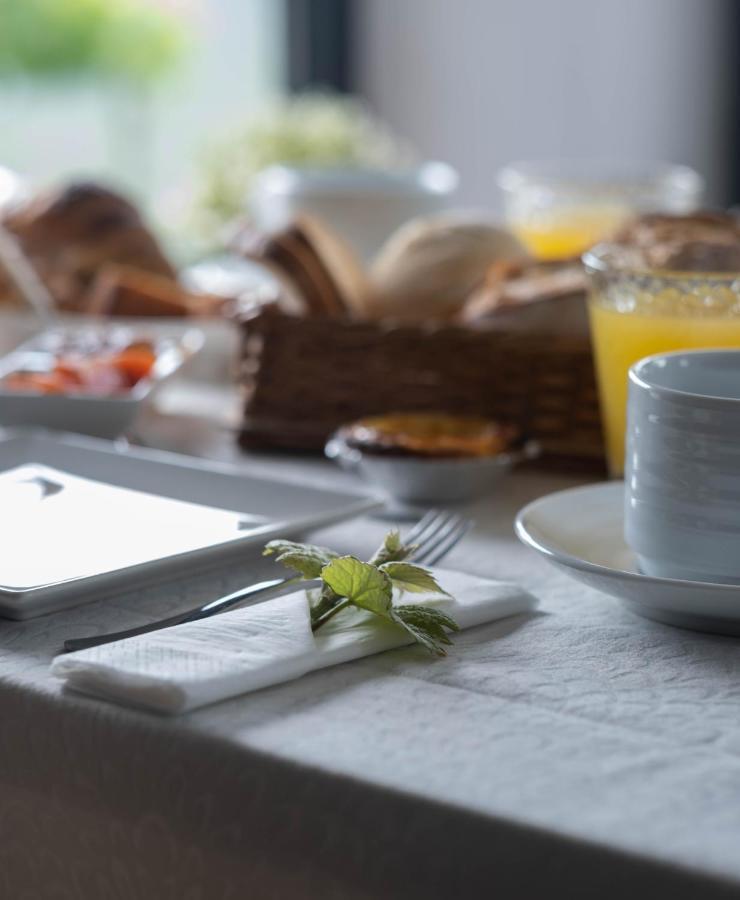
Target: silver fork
{"points": [[435, 534]]}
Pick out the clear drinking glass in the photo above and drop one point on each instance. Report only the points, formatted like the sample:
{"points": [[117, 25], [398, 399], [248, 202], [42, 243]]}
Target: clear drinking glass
{"points": [[560, 208], [636, 313]]}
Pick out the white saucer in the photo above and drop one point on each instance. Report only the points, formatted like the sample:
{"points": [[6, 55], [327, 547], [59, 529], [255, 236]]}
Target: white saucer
{"points": [[581, 531]]}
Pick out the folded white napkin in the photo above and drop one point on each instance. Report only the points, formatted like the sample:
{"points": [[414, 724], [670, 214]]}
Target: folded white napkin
{"points": [[178, 669]]}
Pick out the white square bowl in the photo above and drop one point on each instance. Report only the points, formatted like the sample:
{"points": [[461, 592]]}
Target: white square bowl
{"points": [[105, 416]]}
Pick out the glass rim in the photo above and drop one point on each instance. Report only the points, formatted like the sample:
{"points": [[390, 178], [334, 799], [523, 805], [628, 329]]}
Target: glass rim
{"points": [[595, 262], [600, 174]]}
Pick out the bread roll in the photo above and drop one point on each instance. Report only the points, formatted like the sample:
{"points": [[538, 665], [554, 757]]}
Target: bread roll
{"points": [[318, 273], [545, 297], [71, 233], [428, 268]]}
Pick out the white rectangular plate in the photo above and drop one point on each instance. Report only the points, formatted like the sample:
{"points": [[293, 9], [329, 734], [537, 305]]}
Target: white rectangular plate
{"points": [[82, 518]]}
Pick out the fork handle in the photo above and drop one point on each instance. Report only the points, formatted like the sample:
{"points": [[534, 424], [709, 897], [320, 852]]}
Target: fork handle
{"points": [[191, 615]]}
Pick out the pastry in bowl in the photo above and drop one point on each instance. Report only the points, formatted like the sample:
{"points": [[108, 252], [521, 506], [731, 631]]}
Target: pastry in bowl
{"points": [[428, 457], [430, 435]]}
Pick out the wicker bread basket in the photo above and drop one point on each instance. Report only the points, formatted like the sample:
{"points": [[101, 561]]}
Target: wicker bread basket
{"points": [[303, 377]]}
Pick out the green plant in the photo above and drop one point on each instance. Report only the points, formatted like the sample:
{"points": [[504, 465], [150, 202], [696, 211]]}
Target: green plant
{"points": [[349, 582], [128, 39], [312, 129]]}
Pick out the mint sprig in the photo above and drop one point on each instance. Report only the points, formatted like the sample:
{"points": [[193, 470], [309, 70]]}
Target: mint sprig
{"points": [[348, 581], [307, 559], [427, 626]]}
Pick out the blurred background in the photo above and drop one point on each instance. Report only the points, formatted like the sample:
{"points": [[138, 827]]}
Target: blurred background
{"points": [[480, 83], [154, 95], [265, 167]]}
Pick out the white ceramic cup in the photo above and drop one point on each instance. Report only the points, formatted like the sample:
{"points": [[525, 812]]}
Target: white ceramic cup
{"points": [[682, 477]]}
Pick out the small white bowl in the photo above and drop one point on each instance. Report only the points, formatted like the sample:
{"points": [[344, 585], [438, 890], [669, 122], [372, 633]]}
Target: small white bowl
{"points": [[364, 205], [414, 480], [104, 416]]}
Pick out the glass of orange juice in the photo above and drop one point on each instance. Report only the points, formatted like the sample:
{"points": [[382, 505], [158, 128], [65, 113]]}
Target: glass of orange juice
{"points": [[639, 312], [560, 208]]}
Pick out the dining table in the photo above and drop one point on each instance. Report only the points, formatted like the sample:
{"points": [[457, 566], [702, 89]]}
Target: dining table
{"points": [[573, 751]]}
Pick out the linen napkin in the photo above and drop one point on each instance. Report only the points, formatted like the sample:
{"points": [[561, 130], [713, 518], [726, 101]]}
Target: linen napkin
{"points": [[178, 669]]}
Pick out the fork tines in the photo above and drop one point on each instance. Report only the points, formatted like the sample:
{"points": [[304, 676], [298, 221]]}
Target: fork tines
{"points": [[436, 533]]}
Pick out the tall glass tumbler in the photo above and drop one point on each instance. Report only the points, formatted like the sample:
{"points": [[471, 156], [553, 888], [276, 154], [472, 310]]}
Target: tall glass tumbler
{"points": [[636, 313]]}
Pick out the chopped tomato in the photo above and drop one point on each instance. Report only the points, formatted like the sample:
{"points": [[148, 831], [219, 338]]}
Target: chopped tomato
{"points": [[99, 376], [135, 362], [70, 372], [42, 383], [108, 372]]}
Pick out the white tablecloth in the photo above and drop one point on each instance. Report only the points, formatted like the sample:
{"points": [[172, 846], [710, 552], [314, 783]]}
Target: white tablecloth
{"points": [[577, 751]]}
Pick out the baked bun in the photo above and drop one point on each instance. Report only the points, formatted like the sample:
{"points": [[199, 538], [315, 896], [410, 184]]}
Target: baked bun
{"points": [[70, 234], [698, 242], [125, 291], [318, 273], [427, 269], [341, 261], [548, 297]]}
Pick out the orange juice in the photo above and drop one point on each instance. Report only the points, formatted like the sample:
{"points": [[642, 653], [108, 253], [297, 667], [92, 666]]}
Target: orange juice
{"points": [[568, 231], [561, 207], [621, 338]]}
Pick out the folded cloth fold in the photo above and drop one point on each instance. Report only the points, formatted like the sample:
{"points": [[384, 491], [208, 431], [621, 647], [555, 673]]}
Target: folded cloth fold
{"points": [[178, 669]]}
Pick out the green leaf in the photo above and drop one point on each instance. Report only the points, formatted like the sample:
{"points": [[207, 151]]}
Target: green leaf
{"points": [[308, 559], [350, 582], [427, 626], [392, 542], [391, 549], [414, 579], [361, 583]]}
